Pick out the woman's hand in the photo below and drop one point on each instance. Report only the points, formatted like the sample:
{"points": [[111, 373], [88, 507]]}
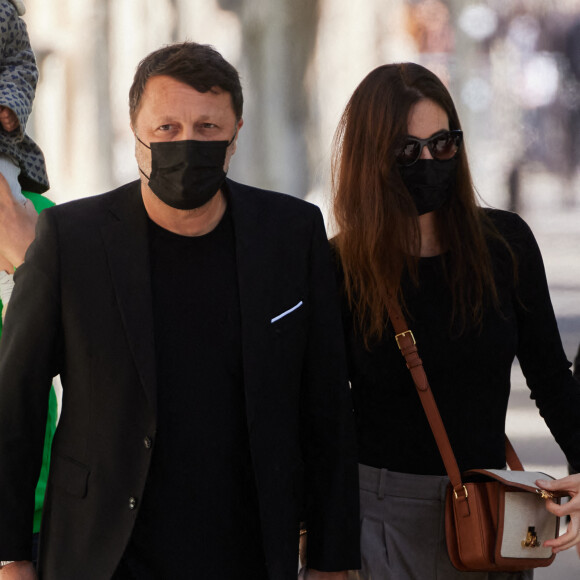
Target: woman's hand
{"points": [[570, 485]]}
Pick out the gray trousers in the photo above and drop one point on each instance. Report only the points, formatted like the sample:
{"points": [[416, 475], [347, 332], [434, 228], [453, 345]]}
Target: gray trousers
{"points": [[403, 530]]}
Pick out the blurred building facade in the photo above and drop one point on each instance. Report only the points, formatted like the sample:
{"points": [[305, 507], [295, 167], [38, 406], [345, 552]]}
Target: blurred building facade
{"points": [[512, 67]]}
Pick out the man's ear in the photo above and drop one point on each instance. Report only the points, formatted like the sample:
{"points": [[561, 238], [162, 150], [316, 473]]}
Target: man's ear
{"points": [[239, 125]]}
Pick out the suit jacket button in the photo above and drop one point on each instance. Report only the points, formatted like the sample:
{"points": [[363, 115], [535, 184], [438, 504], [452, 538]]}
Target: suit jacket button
{"points": [[132, 503], [147, 442]]}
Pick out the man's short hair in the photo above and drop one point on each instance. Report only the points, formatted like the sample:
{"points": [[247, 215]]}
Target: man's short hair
{"points": [[198, 65]]}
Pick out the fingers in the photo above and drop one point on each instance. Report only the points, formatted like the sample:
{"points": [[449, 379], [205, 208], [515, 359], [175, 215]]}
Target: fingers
{"points": [[564, 542], [568, 508], [568, 539], [562, 483], [557, 509], [569, 484]]}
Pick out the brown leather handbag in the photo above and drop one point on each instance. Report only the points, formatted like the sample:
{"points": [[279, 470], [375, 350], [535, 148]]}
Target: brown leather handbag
{"points": [[495, 519]]}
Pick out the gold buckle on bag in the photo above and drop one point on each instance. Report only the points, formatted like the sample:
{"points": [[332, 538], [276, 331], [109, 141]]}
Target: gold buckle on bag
{"points": [[401, 334], [531, 540], [464, 491]]}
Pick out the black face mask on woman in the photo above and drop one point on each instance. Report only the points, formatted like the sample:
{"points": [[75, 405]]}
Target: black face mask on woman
{"points": [[187, 174], [429, 182]]}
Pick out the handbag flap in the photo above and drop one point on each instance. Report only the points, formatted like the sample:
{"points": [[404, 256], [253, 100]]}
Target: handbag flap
{"points": [[525, 480]]}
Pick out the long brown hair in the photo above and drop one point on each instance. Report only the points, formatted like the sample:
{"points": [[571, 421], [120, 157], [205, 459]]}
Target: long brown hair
{"points": [[378, 227]]}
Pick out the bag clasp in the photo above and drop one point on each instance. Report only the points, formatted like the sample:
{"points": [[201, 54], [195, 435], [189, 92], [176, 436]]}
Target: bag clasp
{"points": [[531, 540], [545, 494]]}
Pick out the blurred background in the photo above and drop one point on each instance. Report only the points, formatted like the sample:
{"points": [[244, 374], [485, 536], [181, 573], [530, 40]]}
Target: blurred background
{"points": [[512, 66]]}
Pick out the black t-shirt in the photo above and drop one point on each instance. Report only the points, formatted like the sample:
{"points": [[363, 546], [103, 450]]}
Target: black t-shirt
{"points": [[199, 515], [469, 374]]}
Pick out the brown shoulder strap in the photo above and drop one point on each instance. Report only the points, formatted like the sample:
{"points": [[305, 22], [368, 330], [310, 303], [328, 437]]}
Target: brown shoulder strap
{"points": [[511, 456], [408, 347]]}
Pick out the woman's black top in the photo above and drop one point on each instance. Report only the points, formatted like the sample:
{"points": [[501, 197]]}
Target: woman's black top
{"points": [[469, 373]]}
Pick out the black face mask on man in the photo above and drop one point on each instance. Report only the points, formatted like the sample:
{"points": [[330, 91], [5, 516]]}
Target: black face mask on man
{"points": [[430, 182], [186, 174]]}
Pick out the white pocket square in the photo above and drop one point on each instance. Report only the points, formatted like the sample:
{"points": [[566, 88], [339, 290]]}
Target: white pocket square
{"points": [[286, 312]]}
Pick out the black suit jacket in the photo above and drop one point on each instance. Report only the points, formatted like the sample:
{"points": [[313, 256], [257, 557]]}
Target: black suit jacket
{"points": [[82, 309]]}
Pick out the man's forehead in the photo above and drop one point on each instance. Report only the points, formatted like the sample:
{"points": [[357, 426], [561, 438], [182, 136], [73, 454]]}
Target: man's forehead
{"points": [[161, 83]]}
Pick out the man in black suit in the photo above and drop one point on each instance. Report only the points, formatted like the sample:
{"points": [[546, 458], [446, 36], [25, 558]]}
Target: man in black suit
{"points": [[195, 326]]}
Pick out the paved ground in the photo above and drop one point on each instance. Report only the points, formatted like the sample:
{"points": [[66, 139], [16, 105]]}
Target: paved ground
{"points": [[557, 229]]}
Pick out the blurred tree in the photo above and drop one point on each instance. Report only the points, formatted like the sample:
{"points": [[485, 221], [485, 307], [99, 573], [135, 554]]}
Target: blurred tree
{"points": [[278, 40], [101, 57], [174, 8]]}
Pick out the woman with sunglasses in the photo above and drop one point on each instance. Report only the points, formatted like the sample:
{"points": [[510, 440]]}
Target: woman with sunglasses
{"points": [[472, 287]]}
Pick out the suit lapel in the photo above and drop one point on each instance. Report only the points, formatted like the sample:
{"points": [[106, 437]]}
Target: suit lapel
{"points": [[127, 245], [251, 248], [126, 242]]}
